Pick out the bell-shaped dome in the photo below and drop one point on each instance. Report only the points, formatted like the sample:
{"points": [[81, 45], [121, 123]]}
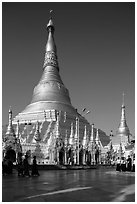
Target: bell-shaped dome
{"points": [[50, 93], [123, 128]]}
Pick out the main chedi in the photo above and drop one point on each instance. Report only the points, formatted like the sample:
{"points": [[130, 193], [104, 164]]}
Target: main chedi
{"points": [[44, 122], [50, 127], [50, 94]]}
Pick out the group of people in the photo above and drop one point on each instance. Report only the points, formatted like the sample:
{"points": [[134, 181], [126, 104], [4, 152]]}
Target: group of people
{"points": [[23, 167], [124, 164]]}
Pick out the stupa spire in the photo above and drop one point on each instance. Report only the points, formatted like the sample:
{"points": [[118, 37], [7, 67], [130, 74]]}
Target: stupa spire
{"points": [[91, 139], [51, 50], [123, 128], [92, 133], [71, 138], [50, 93], [10, 116], [97, 137], [76, 130], [123, 116], [66, 138], [84, 142], [57, 127], [10, 130], [17, 130], [123, 102], [50, 13]]}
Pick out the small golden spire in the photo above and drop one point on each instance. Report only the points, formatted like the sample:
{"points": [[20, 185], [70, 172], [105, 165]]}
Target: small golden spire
{"points": [[71, 138], [84, 143], [50, 23], [92, 133], [66, 138], [123, 102], [57, 126], [97, 136], [10, 130], [76, 130], [51, 11], [123, 128], [10, 110]]}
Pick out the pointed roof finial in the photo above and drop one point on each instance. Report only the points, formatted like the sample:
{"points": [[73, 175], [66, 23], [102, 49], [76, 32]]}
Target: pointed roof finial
{"points": [[92, 133], [17, 129], [76, 130], [123, 102], [66, 138], [50, 25], [97, 136], [71, 138], [10, 110], [84, 142], [51, 11], [51, 51], [57, 126]]}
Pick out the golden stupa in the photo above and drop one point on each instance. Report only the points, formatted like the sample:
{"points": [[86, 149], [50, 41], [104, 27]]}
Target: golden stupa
{"points": [[49, 127], [50, 94], [122, 134], [50, 115]]}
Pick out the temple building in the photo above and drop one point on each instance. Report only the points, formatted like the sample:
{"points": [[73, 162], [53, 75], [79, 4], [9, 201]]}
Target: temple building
{"points": [[50, 128]]}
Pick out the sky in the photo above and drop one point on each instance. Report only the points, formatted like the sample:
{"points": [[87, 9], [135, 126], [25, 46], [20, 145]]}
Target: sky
{"points": [[96, 54]]}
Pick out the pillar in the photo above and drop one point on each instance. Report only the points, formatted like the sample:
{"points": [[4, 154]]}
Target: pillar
{"points": [[75, 157], [50, 156], [57, 156], [84, 157], [65, 157]]}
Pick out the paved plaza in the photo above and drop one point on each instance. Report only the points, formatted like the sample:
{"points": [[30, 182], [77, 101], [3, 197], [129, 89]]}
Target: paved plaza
{"points": [[93, 185]]}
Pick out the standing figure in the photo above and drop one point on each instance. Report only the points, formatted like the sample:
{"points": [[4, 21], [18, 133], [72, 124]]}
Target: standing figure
{"points": [[5, 166], [129, 163], [26, 166], [123, 164], [133, 167], [10, 166], [118, 167], [20, 166], [70, 155], [34, 167]]}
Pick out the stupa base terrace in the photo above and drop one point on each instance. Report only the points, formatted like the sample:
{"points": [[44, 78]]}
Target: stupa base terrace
{"points": [[53, 137]]}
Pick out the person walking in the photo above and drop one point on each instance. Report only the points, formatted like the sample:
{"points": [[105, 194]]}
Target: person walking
{"points": [[118, 166], [129, 163], [5, 166], [20, 166], [123, 164], [133, 167], [26, 166], [34, 167]]}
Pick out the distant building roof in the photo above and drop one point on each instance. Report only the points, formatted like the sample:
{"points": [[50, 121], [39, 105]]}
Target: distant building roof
{"points": [[104, 138]]}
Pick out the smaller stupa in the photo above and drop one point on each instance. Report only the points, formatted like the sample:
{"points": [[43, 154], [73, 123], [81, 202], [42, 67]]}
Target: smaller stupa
{"points": [[122, 134], [11, 142]]}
